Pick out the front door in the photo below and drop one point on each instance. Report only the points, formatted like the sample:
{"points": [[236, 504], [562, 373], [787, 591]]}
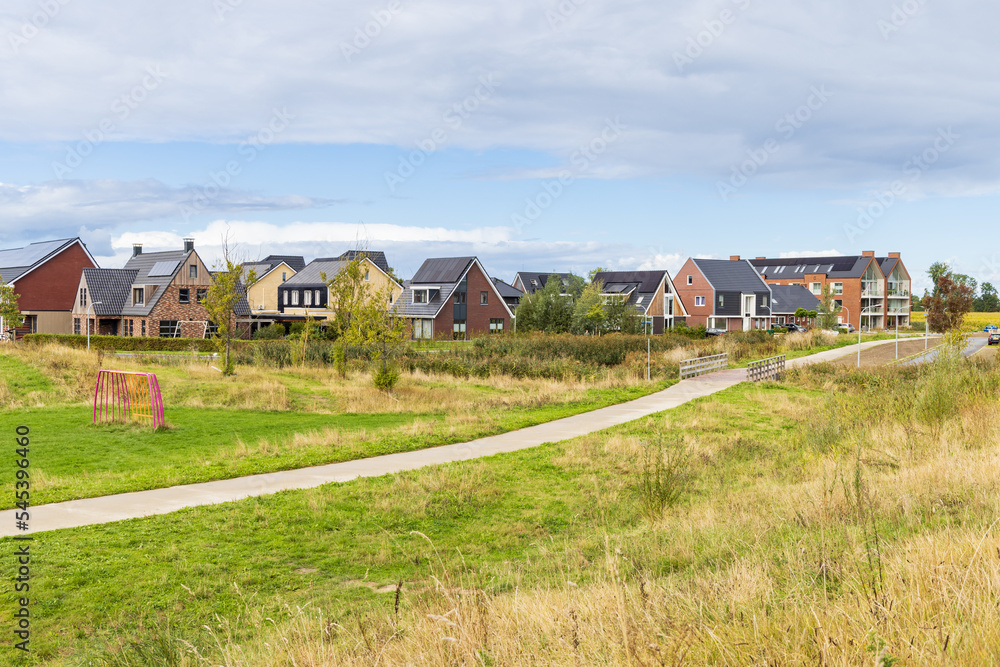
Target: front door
{"points": [[747, 311]]}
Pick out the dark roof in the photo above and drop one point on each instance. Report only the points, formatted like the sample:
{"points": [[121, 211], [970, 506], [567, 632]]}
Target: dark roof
{"points": [[376, 256], [887, 264], [15, 262], [507, 291], [640, 286], [142, 264], [837, 266], [540, 278], [729, 275], [311, 272], [442, 270], [110, 287], [296, 262], [786, 299]]}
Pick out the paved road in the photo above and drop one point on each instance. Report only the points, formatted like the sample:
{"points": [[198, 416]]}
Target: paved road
{"points": [[974, 343], [90, 511]]}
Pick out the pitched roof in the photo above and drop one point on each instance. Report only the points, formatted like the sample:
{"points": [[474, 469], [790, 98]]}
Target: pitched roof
{"points": [[143, 264], [310, 274], [838, 266], [295, 262], [443, 273], [442, 270], [507, 291], [887, 264], [539, 278], [376, 256], [786, 299], [15, 262], [729, 275], [109, 287], [640, 286]]}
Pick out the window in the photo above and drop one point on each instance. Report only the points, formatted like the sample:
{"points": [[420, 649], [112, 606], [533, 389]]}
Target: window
{"points": [[366, 274], [458, 330], [295, 297], [690, 280], [307, 298], [763, 302], [184, 295], [76, 325], [420, 296], [83, 297], [390, 298], [838, 288], [138, 296], [169, 329], [143, 327], [699, 301], [284, 298], [496, 325], [200, 295], [816, 288], [193, 271], [284, 276], [781, 319], [459, 297], [129, 330], [484, 298], [316, 297], [721, 301]]}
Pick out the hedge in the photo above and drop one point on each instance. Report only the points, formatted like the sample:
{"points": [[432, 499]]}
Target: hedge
{"points": [[129, 343]]}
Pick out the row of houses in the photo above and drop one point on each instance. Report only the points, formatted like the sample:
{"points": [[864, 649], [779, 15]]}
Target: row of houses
{"points": [[63, 290]]}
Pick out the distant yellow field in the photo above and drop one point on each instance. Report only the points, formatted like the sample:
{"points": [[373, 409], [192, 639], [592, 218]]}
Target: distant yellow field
{"points": [[973, 321]]}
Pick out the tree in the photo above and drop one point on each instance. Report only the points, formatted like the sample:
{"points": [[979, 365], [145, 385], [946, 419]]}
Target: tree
{"points": [[10, 312], [622, 316], [363, 319], [230, 283], [988, 301], [594, 272], [935, 272], [549, 309], [800, 313], [828, 309], [588, 312], [947, 307]]}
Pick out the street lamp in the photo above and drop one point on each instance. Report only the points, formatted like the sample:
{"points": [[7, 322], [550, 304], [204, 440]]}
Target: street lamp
{"points": [[89, 306], [860, 316]]}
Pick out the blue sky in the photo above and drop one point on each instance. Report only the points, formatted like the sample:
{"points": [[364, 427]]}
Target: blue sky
{"points": [[553, 135]]}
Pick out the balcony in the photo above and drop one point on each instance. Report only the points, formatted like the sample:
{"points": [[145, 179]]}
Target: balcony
{"points": [[899, 290], [898, 310]]}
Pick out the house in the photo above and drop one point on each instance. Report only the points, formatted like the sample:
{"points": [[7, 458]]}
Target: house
{"points": [[272, 272], [786, 299], [652, 293], [307, 294], [453, 297], [510, 294], [857, 282], [725, 294], [44, 275], [530, 282], [897, 290], [154, 294], [376, 256]]}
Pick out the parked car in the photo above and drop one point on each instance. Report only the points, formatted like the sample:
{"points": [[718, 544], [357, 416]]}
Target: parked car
{"points": [[846, 327], [990, 327], [794, 328], [714, 332], [994, 338]]}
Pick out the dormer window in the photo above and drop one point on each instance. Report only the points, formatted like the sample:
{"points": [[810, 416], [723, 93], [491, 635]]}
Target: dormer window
{"points": [[420, 296], [138, 296]]}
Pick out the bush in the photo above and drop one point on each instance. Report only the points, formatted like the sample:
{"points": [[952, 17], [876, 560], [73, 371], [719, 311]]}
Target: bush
{"points": [[385, 379], [271, 332], [128, 343]]}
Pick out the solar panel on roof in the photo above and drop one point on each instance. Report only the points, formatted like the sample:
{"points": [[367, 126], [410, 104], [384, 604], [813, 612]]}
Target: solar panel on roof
{"points": [[163, 268]]}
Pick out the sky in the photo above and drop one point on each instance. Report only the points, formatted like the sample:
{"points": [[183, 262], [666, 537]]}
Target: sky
{"points": [[553, 135]]}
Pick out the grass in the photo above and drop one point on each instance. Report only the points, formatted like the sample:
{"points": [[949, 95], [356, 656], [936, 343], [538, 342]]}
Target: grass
{"points": [[840, 516]]}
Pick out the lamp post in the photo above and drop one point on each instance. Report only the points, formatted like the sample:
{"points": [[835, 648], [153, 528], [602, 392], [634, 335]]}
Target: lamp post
{"points": [[861, 315], [89, 306]]}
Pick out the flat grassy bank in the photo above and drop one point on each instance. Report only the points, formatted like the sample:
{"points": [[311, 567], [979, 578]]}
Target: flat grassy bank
{"points": [[837, 517]]}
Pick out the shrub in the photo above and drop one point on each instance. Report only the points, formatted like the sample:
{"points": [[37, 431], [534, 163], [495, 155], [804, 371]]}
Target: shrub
{"points": [[385, 379], [127, 343], [664, 475], [271, 332]]}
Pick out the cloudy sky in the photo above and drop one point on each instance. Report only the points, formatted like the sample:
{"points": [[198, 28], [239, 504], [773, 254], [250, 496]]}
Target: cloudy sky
{"points": [[549, 135]]}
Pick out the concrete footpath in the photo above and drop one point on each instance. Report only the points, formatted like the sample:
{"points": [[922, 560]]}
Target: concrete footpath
{"points": [[106, 509]]}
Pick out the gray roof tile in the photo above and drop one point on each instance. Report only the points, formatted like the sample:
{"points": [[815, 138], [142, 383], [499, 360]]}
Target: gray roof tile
{"points": [[110, 287], [729, 275], [786, 299]]}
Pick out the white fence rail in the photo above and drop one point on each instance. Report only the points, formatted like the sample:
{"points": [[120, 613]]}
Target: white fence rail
{"points": [[766, 369], [701, 365]]}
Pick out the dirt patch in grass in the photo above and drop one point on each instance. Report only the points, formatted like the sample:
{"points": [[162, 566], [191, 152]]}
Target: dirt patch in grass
{"points": [[883, 354]]}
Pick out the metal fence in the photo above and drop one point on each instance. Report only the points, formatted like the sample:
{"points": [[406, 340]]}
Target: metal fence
{"points": [[701, 365], [765, 369]]}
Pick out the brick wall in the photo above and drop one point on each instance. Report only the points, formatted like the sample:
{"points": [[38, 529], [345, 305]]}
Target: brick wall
{"points": [[52, 286], [477, 321], [191, 316], [699, 287]]}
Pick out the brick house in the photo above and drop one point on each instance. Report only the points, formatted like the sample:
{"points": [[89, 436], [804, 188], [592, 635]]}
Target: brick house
{"points": [[453, 297], [44, 275], [652, 293], [155, 294], [724, 294], [857, 282]]}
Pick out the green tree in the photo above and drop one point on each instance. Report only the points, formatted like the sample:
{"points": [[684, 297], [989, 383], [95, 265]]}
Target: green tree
{"points": [[594, 272], [828, 309], [230, 283], [588, 311], [622, 316], [936, 270], [549, 309], [10, 312], [947, 307], [988, 301]]}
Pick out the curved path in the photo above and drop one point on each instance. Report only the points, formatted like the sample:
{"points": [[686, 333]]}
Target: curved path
{"points": [[106, 509]]}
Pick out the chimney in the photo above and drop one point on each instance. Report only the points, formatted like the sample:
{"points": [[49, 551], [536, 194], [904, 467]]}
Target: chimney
{"points": [[867, 253], [893, 255], [761, 257], [188, 244], [734, 258], [136, 249]]}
